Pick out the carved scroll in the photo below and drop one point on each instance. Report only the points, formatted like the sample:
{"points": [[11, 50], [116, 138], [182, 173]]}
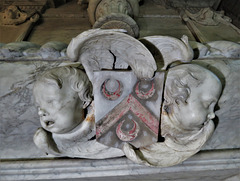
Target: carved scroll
{"points": [[109, 49], [171, 49]]}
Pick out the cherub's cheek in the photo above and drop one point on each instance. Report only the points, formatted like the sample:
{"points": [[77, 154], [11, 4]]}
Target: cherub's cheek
{"points": [[194, 116]]}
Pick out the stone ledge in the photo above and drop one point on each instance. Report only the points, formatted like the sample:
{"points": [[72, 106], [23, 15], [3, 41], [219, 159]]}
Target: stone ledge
{"points": [[219, 164]]}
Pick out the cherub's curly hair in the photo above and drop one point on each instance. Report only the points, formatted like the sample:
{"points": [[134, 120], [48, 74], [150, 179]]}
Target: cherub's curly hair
{"points": [[78, 81], [179, 81]]}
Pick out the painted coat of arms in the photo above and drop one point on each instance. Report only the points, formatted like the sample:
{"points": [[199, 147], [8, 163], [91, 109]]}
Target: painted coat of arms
{"points": [[127, 108]]}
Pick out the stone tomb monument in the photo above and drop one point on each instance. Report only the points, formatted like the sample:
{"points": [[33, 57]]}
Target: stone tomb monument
{"points": [[154, 113], [132, 89]]}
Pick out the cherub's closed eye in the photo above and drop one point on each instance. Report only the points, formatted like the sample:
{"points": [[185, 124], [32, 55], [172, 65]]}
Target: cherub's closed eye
{"points": [[50, 101]]}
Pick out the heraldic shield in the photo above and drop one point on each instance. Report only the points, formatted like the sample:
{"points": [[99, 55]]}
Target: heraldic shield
{"points": [[127, 108]]}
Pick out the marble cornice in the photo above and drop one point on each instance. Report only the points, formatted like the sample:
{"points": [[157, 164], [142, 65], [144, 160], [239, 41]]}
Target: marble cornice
{"points": [[222, 161]]}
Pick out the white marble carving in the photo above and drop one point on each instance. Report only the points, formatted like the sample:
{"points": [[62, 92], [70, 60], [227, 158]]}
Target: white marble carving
{"points": [[109, 49], [61, 95], [222, 48], [199, 50], [186, 119], [19, 120], [184, 135], [215, 49], [187, 109], [171, 49], [227, 112], [16, 49], [24, 50]]}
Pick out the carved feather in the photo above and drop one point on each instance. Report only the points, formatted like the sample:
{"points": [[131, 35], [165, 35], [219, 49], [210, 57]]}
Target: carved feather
{"points": [[171, 49], [110, 49]]}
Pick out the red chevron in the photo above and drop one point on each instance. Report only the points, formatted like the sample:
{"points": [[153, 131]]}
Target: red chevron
{"points": [[128, 104]]}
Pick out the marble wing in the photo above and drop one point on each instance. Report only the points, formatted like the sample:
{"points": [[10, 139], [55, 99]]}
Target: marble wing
{"points": [[171, 49], [223, 48], [113, 50]]}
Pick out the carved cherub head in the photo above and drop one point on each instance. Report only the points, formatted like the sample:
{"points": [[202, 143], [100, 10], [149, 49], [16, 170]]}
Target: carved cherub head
{"points": [[191, 93], [61, 95]]}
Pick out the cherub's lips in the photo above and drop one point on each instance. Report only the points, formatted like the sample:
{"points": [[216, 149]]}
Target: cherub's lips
{"points": [[49, 123]]}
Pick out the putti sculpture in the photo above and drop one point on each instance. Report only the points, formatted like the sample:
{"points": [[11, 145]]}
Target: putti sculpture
{"points": [[155, 115], [61, 95]]}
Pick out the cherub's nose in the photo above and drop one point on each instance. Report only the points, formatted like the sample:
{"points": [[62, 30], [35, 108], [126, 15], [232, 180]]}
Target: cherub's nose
{"points": [[42, 112], [211, 115]]}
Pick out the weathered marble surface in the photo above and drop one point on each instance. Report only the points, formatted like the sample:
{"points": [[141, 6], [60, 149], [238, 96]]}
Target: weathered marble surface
{"points": [[171, 49], [227, 114], [63, 96], [111, 50], [19, 119], [190, 95], [209, 165], [24, 50], [215, 49], [100, 49]]}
